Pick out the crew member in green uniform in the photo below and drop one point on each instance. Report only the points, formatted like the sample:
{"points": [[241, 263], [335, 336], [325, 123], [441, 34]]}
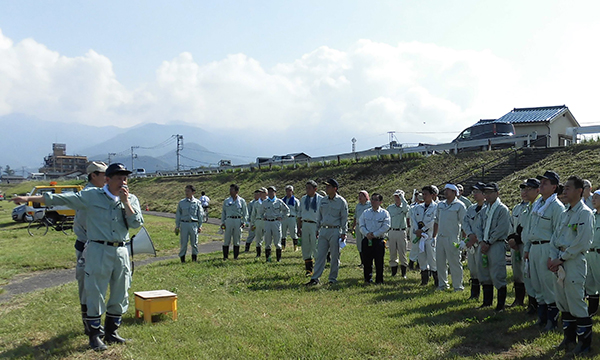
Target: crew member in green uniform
{"points": [[234, 216], [397, 234], [188, 222]]}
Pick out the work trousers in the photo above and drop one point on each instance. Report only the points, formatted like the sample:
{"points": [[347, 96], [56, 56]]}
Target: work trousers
{"points": [[516, 259], [80, 274], [447, 252], [473, 262], [592, 280], [397, 245], [233, 230], [251, 236], [427, 258], [273, 234], [542, 279], [570, 295], [259, 232], [289, 226], [328, 243], [375, 252], [188, 232], [495, 271], [309, 240], [106, 266]]}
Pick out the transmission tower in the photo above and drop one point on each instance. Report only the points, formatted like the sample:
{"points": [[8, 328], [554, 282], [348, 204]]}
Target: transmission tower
{"points": [[353, 144], [133, 156], [179, 148]]}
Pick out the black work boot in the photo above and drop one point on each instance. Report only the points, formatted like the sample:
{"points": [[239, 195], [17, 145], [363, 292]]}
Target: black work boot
{"points": [[532, 306], [94, 325], [569, 325], [194, 258], [236, 252], [362, 260], [593, 301], [411, 265], [295, 241], [436, 282], [247, 249], [501, 299], [258, 252], [488, 296], [584, 335], [424, 277], [311, 265], [394, 270], [225, 252], [278, 254], [283, 244], [307, 267], [475, 289], [182, 258], [86, 328], [553, 314], [268, 255], [519, 295], [403, 271], [328, 257], [542, 311], [111, 325]]}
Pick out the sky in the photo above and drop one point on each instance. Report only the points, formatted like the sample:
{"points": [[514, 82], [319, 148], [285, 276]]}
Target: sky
{"points": [[299, 76]]}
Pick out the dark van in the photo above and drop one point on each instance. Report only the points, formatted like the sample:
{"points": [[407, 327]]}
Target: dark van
{"points": [[486, 130]]}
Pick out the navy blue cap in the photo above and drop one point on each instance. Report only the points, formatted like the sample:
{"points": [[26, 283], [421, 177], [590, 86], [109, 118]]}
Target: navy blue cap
{"points": [[116, 168], [532, 183], [479, 186], [491, 186], [550, 175], [332, 182]]}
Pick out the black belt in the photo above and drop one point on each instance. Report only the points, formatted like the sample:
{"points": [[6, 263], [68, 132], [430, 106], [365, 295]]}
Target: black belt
{"points": [[540, 242], [234, 217], [398, 229], [189, 221], [115, 244], [595, 250], [270, 219], [330, 226], [309, 221]]}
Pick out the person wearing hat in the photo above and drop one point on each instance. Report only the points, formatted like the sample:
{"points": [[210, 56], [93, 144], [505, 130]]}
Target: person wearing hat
{"points": [[234, 216], [332, 223], [496, 227], [587, 193], [532, 193], [256, 221], [473, 224], [188, 222], [374, 223], [96, 178], [592, 281], [111, 212], [413, 255], [273, 210], [252, 232], [288, 224], [465, 200], [397, 234], [307, 224], [423, 220], [436, 192], [543, 221], [364, 203], [446, 230], [569, 246]]}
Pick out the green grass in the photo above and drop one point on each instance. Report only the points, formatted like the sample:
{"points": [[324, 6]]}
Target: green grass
{"points": [[252, 309]]}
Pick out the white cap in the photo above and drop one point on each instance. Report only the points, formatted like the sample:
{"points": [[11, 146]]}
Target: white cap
{"points": [[451, 187]]}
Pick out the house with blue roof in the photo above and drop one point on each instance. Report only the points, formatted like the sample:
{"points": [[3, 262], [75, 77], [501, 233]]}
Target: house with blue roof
{"points": [[550, 123]]}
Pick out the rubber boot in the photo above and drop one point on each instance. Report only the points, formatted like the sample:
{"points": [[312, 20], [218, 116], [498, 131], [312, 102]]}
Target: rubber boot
{"points": [[278, 254], [411, 265], [258, 251], [247, 249], [519, 295], [501, 299], [532, 306], [295, 241], [436, 282], [86, 328], [403, 271], [225, 252], [488, 296], [111, 325], [593, 301], [194, 258], [268, 255], [424, 277], [328, 257], [569, 325], [236, 252], [553, 314], [182, 258], [542, 311], [584, 335], [311, 267], [362, 260], [308, 267], [283, 244], [394, 270], [94, 325], [475, 289]]}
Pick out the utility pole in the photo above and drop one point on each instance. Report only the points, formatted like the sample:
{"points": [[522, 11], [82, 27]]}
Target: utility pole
{"points": [[353, 144], [110, 155], [179, 148], [133, 156]]}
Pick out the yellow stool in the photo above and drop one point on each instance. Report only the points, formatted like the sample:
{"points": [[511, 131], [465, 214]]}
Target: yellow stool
{"points": [[155, 302]]}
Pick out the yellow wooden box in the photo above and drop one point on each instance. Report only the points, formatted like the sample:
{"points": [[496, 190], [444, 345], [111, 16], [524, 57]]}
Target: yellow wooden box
{"points": [[155, 302]]}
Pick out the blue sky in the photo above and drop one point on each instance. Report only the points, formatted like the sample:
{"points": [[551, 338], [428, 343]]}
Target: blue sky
{"points": [[356, 68]]}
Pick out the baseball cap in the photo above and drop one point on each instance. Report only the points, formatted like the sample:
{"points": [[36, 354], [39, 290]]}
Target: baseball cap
{"points": [[289, 187], [491, 186], [272, 188], [98, 166], [532, 183], [550, 175], [399, 193], [117, 168], [451, 187], [332, 182], [478, 186]]}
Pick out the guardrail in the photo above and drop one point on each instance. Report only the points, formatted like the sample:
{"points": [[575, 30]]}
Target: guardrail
{"points": [[574, 131], [484, 144]]}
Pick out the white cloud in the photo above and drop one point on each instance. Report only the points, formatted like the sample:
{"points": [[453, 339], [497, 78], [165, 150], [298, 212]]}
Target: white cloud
{"points": [[370, 88]]}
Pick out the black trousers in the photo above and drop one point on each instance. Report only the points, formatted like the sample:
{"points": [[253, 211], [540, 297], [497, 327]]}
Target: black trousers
{"points": [[375, 252]]}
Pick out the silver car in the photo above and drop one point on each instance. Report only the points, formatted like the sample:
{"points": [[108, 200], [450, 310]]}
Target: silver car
{"points": [[19, 212]]}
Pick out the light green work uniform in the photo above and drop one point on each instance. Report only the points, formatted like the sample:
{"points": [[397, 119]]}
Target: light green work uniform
{"points": [[252, 231], [106, 265], [473, 223], [425, 247], [234, 214], [541, 228], [525, 220], [188, 218], [465, 200], [270, 211], [258, 223], [360, 208], [397, 234], [79, 224], [592, 281], [495, 272], [289, 223], [517, 254], [309, 212], [332, 222], [449, 218], [570, 242]]}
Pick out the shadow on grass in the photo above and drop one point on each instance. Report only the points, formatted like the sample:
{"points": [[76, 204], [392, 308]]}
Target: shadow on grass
{"points": [[58, 346]]}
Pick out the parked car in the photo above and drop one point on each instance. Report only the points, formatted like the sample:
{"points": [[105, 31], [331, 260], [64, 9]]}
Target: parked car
{"points": [[18, 213], [486, 130], [35, 210]]}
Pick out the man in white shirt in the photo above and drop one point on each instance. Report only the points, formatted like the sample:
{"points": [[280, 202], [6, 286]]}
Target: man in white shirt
{"points": [[375, 223]]}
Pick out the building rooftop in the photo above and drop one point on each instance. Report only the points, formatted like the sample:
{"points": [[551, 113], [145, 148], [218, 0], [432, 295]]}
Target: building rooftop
{"points": [[530, 115]]}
